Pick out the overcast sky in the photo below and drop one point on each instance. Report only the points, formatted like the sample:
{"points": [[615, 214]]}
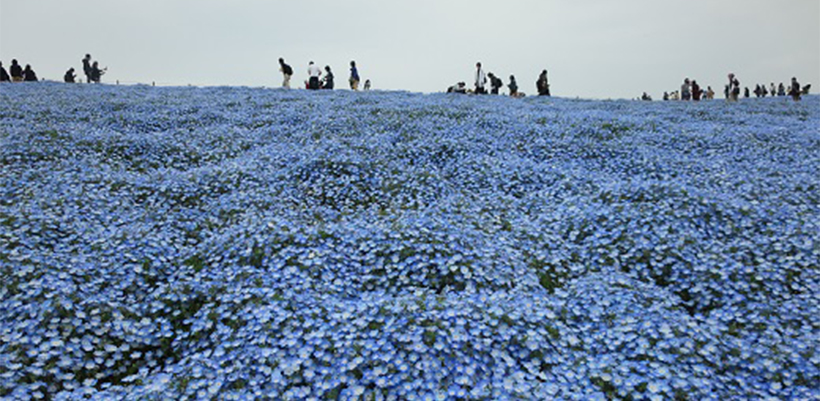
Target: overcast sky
{"points": [[592, 48]]}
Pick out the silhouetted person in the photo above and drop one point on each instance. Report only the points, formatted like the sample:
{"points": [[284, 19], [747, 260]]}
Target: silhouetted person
{"points": [[16, 71], [513, 86], [460, 87], [69, 76], [287, 73], [686, 90], [542, 84], [480, 79], [773, 89], [710, 94], [328, 78], [763, 91], [29, 75], [646, 97], [96, 72], [746, 92], [313, 76], [757, 90], [794, 89], [4, 75], [87, 68], [495, 83], [354, 76], [696, 91], [781, 90], [806, 89], [666, 96], [367, 85]]}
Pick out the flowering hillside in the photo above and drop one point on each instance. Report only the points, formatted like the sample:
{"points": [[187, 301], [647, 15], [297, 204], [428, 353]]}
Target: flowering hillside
{"points": [[172, 243]]}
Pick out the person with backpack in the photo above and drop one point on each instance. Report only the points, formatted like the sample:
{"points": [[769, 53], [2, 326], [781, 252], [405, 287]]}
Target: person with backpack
{"points": [[480, 80], [4, 75], [69, 76], [16, 71], [29, 75], [513, 86], [354, 76], [328, 78], [87, 68], [287, 73], [313, 76], [495, 83]]}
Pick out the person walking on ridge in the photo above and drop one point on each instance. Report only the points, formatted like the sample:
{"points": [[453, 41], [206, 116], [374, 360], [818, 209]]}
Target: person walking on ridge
{"points": [[287, 73], [354, 76]]}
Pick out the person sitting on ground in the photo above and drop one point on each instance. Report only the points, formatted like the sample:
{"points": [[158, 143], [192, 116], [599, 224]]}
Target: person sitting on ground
{"points": [[96, 72], [666, 96], [495, 83], [29, 75], [4, 75], [794, 90], [696, 91], [513, 86], [460, 87], [710, 94], [314, 73], [69, 76], [542, 84], [806, 89], [16, 71], [367, 85], [328, 81], [646, 97]]}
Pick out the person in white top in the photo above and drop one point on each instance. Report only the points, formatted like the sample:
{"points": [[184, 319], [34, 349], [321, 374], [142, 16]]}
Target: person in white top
{"points": [[314, 73], [480, 79]]}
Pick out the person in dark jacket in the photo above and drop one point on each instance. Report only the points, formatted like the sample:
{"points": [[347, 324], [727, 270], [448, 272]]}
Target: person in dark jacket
{"points": [[513, 86], [96, 72], [16, 71], [4, 75], [69, 76], [287, 73], [542, 84], [29, 75], [696, 91], [87, 68], [781, 90], [328, 84], [495, 83], [794, 89], [354, 76]]}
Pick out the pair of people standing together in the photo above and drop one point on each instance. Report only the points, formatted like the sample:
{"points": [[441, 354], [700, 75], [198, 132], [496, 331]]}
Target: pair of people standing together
{"points": [[315, 76]]}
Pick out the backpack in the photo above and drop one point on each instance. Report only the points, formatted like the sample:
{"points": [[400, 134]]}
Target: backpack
{"points": [[287, 70]]}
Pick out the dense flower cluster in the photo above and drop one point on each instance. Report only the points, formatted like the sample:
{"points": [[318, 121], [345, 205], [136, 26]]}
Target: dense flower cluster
{"points": [[189, 243]]}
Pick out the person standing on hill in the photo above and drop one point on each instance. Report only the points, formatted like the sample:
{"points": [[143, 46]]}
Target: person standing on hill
{"points": [[96, 72], [696, 92], [794, 90], [480, 80], [16, 71], [29, 75], [542, 84], [513, 86], [354, 76], [686, 90], [313, 73], [87, 68], [328, 78], [69, 76], [4, 75], [287, 72]]}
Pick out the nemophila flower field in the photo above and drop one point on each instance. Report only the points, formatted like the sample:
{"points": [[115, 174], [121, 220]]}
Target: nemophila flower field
{"points": [[236, 243]]}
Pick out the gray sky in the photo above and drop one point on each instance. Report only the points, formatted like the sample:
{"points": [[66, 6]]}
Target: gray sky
{"points": [[592, 48]]}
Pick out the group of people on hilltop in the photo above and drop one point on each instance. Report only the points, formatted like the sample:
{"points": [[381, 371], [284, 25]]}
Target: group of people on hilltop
{"points": [[795, 91], [690, 90], [16, 73], [482, 79], [315, 79]]}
